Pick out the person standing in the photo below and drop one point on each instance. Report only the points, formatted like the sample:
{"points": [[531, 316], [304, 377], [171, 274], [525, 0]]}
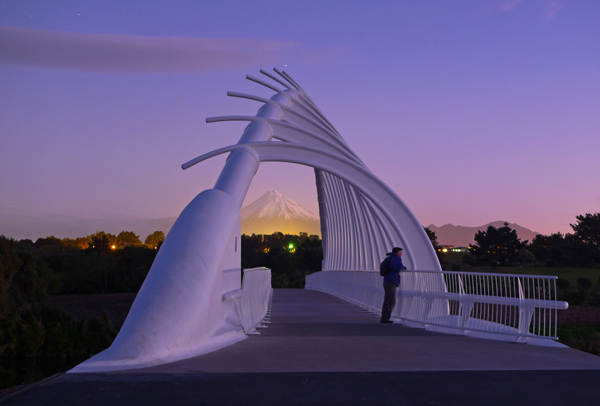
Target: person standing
{"points": [[391, 282]]}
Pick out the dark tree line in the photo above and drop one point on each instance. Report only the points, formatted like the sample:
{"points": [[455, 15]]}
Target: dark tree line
{"points": [[31, 272], [31, 328], [101, 240], [100, 268], [501, 246]]}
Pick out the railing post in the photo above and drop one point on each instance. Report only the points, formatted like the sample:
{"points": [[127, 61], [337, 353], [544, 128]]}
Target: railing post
{"points": [[466, 307]]}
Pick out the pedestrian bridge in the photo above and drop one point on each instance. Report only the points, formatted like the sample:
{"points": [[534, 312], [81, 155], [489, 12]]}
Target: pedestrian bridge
{"points": [[192, 301], [319, 349]]}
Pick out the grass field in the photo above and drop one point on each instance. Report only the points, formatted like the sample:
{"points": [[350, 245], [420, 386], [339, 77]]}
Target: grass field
{"points": [[580, 337], [572, 274]]}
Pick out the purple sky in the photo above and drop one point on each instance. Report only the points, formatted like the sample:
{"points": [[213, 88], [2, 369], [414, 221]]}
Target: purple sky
{"points": [[473, 111]]}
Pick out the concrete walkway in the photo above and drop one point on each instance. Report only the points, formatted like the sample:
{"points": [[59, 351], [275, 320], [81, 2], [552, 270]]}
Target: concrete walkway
{"points": [[321, 350]]}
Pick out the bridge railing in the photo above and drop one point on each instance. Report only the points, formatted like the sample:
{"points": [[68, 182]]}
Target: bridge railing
{"points": [[502, 306], [253, 301], [256, 297]]}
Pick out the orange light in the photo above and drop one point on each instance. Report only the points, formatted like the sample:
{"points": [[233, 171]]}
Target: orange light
{"points": [[113, 247]]}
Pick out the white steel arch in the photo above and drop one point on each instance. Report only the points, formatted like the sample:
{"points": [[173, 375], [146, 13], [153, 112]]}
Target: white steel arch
{"points": [[419, 251], [183, 308]]}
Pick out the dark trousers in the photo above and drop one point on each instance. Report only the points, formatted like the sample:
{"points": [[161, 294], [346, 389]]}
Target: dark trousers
{"points": [[389, 300]]}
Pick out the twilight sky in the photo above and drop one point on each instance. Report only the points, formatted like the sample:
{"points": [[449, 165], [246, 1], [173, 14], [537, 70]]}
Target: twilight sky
{"points": [[472, 111]]}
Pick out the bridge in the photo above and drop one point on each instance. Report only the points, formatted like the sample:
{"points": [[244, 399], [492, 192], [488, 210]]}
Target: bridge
{"points": [[319, 349], [191, 334]]}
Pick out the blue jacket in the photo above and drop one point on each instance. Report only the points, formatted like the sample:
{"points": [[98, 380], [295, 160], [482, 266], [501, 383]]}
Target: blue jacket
{"points": [[396, 266]]}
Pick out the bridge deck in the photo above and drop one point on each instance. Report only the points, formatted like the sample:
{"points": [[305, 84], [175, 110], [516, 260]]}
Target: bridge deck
{"points": [[321, 350]]}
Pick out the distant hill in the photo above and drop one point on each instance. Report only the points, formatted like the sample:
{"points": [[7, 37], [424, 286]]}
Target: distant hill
{"points": [[273, 212], [461, 236]]}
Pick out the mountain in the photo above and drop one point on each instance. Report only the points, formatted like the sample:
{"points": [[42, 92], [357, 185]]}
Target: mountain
{"points": [[273, 212], [461, 236]]}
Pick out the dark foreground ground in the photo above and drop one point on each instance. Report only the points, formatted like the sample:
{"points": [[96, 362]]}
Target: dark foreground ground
{"points": [[320, 350]]}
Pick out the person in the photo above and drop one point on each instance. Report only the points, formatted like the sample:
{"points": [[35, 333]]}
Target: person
{"points": [[391, 282]]}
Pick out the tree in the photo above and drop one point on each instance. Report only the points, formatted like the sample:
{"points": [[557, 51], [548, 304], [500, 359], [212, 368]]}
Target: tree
{"points": [[432, 238], [25, 278], [499, 246], [50, 240], [9, 266], [557, 250], [80, 242], [587, 230], [155, 239], [526, 256], [550, 250], [128, 239], [101, 241]]}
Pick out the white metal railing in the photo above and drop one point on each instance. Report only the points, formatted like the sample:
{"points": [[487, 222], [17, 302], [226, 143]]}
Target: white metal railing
{"points": [[255, 299], [517, 307]]}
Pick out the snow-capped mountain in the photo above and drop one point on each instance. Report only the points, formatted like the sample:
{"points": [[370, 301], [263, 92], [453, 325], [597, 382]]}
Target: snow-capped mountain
{"points": [[273, 212], [275, 205]]}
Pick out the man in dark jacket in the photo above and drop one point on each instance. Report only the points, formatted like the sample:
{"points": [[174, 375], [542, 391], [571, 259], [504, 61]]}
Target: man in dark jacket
{"points": [[391, 282]]}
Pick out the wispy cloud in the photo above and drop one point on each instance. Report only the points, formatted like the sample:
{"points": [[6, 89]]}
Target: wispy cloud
{"points": [[551, 8], [508, 5], [121, 53]]}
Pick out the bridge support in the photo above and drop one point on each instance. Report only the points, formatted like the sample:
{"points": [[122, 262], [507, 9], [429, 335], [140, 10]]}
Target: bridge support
{"points": [[180, 311]]}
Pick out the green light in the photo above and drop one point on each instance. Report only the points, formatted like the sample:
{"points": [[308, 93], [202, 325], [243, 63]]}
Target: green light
{"points": [[291, 246]]}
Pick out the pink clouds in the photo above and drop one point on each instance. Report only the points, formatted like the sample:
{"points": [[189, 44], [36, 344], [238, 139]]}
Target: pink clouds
{"points": [[121, 53]]}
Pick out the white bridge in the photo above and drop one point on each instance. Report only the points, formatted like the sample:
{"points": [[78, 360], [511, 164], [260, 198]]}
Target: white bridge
{"points": [[192, 301]]}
